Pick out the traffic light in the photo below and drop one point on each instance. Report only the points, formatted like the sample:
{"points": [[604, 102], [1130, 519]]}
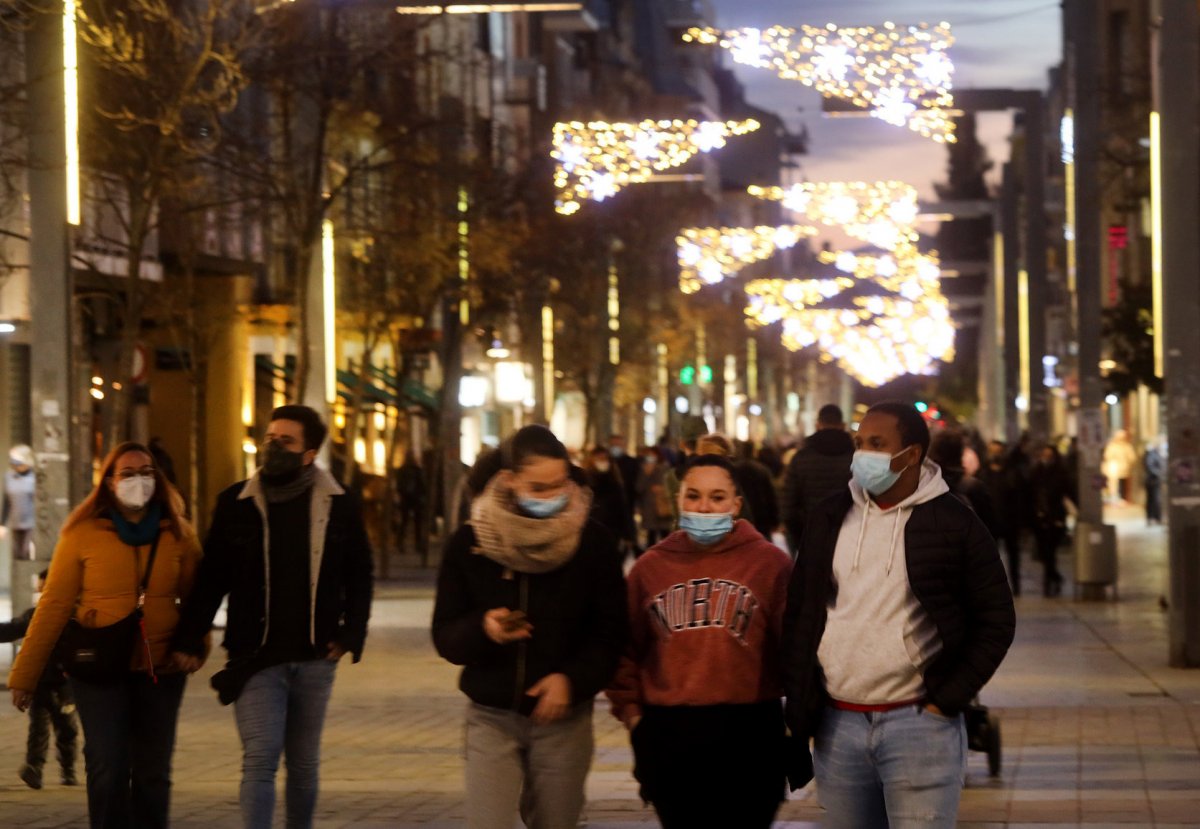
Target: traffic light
{"points": [[706, 374], [921, 406], [687, 375]]}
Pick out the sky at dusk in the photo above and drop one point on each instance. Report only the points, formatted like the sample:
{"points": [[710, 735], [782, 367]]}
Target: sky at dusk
{"points": [[998, 43]]}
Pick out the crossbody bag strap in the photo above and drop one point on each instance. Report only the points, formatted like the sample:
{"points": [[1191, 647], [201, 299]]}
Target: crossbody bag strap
{"points": [[141, 598]]}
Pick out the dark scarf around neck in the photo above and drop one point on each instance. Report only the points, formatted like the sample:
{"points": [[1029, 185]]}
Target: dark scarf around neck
{"points": [[143, 532], [277, 492]]}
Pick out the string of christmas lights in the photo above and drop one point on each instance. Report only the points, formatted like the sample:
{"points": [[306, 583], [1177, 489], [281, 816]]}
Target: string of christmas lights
{"points": [[880, 213], [905, 270], [595, 160], [901, 74], [708, 255]]}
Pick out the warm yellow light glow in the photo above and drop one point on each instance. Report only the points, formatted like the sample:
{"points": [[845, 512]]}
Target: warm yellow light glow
{"points": [[708, 255], [998, 285], [360, 450], [488, 8], [548, 360], [905, 270], [595, 160], [464, 254], [328, 308], [1156, 242], [1023, 329], [71, 110], [880, 213], [614, 315], [902, 74]]}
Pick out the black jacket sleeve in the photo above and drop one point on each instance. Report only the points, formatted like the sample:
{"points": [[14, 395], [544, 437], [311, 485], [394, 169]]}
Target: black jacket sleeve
{"points": [[13, 630], [457, 623], [793, 499], [991, 623], [593, 664], [796, 670], [358, 580], [213, 581]]}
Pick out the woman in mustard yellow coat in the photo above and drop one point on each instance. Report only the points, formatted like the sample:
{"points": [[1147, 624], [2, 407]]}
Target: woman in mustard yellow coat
{"points": [[95, 576]]}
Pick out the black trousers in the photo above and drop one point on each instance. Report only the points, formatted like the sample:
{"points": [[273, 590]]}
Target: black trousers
{"points": [[53, 708], [1048, 541], [712, 766], [1012, 547]]}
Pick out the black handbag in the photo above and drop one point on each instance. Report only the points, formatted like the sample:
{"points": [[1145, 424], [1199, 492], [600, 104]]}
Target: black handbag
{"points": [[102, 655]]}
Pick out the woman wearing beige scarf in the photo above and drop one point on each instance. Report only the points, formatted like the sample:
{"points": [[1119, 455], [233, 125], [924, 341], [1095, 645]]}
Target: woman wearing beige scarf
{"points": [[531, 602]]}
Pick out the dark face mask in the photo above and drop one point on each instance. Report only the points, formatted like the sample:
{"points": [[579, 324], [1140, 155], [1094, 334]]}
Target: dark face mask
{"points": [[280, 465]]}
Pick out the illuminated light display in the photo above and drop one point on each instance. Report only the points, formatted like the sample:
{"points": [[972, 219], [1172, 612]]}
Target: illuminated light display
{"points": [[880, 213], [901, 74], [594, 161], [708, 255], [904, 270], [772, 300]]}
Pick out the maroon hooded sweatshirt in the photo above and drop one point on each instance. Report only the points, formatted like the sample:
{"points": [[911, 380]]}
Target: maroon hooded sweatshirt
{"points": [[705, 624]]}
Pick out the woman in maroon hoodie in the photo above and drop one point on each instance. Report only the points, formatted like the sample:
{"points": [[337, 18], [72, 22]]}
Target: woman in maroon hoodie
{"points": [[699, 688]]}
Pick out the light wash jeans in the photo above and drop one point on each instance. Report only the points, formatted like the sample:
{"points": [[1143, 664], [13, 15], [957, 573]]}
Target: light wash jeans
{"points": [[514, 764], [282, 711], [900, 769]]}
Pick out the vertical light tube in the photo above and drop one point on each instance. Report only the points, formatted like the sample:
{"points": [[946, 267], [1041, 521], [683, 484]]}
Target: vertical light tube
{"points": [[1067, 138], [464, 254], [1023, 327], [1156, 247], [998, 284], [548, 360], [71, 110], [614, 315], [664, 387], [328, 307], [752, 368]]}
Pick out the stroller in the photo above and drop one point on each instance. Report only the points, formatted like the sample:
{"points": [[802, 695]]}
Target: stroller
{"points": [[983, 734]]}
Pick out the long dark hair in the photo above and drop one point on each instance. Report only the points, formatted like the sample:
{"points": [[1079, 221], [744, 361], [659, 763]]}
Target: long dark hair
{"points": [[101, 501]]}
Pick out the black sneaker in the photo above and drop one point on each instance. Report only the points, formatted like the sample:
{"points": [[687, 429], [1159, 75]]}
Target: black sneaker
{"points": [[31, 776]]}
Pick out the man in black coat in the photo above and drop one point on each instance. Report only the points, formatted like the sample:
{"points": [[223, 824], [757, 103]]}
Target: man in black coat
{"points": [[289, 548], [819, 469], [898, 612]]}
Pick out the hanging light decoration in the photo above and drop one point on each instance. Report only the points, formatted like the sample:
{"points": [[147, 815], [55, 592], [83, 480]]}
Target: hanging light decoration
{"points": [[708, 255], [597, 159], [905, 270], [880, 213], [901, 74], [771, 300]]}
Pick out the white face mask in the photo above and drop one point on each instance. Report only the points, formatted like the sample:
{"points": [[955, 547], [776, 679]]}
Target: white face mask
{"points": [[134, 493]]}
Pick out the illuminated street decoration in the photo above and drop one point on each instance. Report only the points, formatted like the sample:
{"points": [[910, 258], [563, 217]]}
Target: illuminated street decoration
{"points": [[409, 7], [880, 213], [905, 270], [708, 255], [772, 300], [901, 74], [594, 161]]}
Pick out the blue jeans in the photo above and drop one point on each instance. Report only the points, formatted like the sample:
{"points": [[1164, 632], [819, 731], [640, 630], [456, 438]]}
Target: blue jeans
{"points": [[129, 737], [282, 711], [897, 769]]}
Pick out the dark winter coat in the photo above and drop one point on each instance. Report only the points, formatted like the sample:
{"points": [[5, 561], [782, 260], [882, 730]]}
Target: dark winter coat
{"points": [[53, 675], [758, 495], [609, 507], [1050, 489], [955, 573], [975, 493], [234, 564], [821, 468], [578, 613]]}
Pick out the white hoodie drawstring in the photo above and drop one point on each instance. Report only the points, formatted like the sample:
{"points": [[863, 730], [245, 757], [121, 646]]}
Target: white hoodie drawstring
{"points": [[895, 533], [862, 531]]}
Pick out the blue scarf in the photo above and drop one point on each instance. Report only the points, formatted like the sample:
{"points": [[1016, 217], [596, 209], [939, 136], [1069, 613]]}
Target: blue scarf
{"points": [[143, 532]]}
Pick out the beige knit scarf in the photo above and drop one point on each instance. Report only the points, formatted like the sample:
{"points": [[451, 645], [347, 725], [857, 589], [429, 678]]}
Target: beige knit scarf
{"points": [[521, 543]]}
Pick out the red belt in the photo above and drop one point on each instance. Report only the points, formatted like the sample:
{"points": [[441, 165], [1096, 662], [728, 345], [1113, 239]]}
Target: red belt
{"points": [[872, 709]]}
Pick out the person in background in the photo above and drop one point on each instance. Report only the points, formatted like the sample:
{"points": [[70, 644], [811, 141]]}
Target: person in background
{"points": [[531, 602], [898, 613], [609, 507], [819, 469], [1119, 460], [654, 503], [758, 490], [17, 515], [1050, 490], [1006, 496], [52, 708], [162, 459], [289, 549], [947, 449], [410, 497], [1155, 467], [700, 678], [627, 467], [131, 526]]}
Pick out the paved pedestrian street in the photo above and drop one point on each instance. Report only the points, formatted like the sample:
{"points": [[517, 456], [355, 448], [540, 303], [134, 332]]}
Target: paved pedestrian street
{"points": [[1097, 730]]}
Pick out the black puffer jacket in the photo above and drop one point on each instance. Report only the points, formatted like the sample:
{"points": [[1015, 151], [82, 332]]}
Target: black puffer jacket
{"points": [[820, 469], [956, 575], [578, 612]]}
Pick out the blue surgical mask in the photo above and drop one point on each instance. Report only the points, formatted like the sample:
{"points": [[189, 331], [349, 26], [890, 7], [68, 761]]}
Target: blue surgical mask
{"points": [[873, 470], [706, 528], [542, 507]]}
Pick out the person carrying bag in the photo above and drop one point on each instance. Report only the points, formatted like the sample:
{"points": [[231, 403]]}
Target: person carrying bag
{"points": [[125, 560]]}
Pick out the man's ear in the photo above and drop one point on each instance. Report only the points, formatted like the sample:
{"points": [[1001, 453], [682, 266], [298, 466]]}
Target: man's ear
{"points": [[310, 456]]}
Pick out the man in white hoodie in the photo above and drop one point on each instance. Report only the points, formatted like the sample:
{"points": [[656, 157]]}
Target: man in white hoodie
{"points": [[898, 612]]}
